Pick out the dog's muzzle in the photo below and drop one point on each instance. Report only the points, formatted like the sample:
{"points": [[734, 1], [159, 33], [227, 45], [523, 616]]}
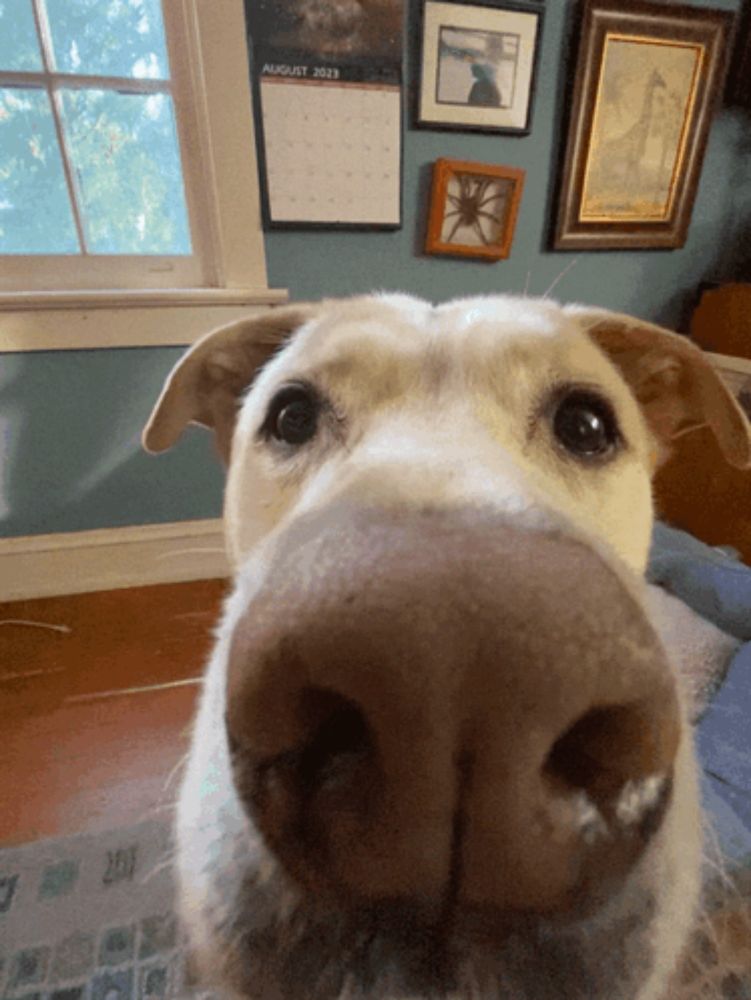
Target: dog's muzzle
{"points": [[443, 710]]}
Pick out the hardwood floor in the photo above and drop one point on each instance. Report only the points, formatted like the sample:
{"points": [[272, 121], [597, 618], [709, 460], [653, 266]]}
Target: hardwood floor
{"points": [[94, 718]]}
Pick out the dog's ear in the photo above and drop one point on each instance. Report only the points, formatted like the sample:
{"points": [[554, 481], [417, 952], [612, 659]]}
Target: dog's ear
{"points": [[673, 380], [205, 385]]}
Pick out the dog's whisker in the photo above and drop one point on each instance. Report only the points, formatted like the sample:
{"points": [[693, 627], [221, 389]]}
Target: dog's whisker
{"points": [[176, 770], [124, 692], [189, 615], [165, 863], [160, 809], [526, 284], [736, 789], [25, 675], [27, 623], [192, 551], [560, 277], [713, 855]]}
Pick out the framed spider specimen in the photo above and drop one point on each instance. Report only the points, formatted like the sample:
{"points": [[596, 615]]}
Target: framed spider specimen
{"points": [[473, 209]]}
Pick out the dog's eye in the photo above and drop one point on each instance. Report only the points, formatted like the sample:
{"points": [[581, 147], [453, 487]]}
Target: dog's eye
{"points": [[293, 415], [585, 425]]}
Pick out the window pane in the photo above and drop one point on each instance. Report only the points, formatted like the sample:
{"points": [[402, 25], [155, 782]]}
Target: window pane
{"points": [[125, 153], [35, 213], [108, 37], [19, 48]]}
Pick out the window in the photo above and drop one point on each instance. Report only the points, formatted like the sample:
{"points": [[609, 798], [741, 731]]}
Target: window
{"points": [[126, 153]]}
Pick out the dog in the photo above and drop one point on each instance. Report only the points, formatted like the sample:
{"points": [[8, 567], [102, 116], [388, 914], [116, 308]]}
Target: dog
{"points": [[441, 750]]}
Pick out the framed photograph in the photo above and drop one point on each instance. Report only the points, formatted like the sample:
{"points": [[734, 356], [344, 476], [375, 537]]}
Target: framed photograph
{"points": [[647, 81], [473, 209], [478, 65]]}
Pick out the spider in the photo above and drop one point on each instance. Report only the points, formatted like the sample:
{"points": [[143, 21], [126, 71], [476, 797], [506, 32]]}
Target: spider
{"points": [[470, 206]]}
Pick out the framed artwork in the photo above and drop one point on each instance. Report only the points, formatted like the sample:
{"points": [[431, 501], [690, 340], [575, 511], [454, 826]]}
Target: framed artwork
{"points": [[473, 209], [478, 65], [328, 102], [647, 81]]}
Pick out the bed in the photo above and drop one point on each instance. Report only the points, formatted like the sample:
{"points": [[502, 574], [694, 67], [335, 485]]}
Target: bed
{"points": [[711, 634]]}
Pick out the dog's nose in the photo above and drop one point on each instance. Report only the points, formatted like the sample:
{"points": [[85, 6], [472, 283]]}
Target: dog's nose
{"points": [[442, 708]]}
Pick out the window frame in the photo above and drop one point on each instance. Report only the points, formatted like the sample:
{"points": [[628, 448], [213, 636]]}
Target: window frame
{"points": [[210, 78]]}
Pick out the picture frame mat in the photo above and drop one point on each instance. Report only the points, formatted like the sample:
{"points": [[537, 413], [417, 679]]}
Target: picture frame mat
{"points": [[589, 215]]}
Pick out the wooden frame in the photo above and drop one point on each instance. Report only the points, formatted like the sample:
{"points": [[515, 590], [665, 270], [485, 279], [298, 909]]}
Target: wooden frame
{"points": [[208, 71], [466, 218], [647, 81], [478, 65], [44, 309]]}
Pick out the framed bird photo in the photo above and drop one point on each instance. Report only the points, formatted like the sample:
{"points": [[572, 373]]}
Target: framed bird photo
{"points": [[478, 65], [473, 209]]}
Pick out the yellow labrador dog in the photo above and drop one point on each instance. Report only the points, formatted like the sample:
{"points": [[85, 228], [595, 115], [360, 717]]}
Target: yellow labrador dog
{"points": [[441, 751]]}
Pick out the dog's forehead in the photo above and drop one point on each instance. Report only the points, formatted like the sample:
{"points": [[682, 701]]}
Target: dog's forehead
{"points": [[469, 333], [491, 334], [506, 316]]}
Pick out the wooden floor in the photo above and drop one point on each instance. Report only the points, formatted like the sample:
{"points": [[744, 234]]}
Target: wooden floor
{"points": [[94, 713], [94, 717]]}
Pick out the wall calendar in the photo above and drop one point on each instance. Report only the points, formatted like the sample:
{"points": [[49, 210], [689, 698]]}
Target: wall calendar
{"points": [[328, 92]]}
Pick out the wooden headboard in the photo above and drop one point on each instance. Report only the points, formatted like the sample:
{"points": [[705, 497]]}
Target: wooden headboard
{"points": [[696, 489]]}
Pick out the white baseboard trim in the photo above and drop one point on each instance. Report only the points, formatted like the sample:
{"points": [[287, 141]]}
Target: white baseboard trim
{"points": [[111, 558]]}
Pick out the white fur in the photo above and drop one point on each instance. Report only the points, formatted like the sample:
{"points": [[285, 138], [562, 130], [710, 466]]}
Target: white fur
{"points": [[496, 353]]}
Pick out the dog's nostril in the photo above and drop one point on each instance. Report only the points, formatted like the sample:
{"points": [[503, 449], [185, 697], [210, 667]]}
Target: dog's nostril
{"points": [[339, 737], [607, 748]]}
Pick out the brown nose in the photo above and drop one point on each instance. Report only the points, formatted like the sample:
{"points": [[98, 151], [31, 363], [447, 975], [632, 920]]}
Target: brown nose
{"points": [[442, 708]]}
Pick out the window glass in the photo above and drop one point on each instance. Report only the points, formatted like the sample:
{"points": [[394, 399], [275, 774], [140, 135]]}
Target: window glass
{"points": [[35, 212], [19, 47], [108, 37], [126, 159]]}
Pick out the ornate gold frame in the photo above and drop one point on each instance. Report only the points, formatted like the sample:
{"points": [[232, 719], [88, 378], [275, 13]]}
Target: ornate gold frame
{"points": [[606, 21]]}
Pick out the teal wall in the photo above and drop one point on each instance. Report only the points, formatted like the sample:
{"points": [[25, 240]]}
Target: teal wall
{"points": [[70, 421]]}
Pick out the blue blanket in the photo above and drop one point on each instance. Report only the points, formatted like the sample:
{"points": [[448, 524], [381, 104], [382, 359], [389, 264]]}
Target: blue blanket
{"points": [[717, 586]]}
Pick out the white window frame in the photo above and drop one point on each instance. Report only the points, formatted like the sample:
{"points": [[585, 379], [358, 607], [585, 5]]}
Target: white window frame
{"points": [[211, 90]]}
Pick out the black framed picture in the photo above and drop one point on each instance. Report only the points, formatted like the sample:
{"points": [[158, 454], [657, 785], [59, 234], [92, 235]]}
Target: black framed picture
{"points": [[478, 65]]}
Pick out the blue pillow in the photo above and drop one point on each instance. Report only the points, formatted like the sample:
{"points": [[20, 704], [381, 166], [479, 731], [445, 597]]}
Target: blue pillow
{"points": [[710, 580], [722, 741]]}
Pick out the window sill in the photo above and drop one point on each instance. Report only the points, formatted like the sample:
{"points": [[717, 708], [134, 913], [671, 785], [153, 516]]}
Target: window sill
{"points": [[52, 321], [126, 298]]}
